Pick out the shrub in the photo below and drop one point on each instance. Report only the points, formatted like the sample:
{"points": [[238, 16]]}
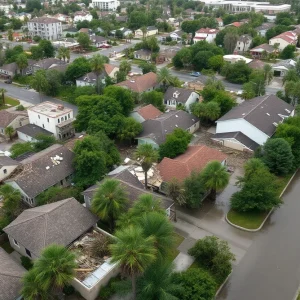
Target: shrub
{"points": [[20, 107], [107, 291], [26, 262], [68, 290]]}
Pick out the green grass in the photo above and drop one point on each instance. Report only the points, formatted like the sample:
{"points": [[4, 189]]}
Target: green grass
{"points": [[6, 246], [253, 219], [298, 298], [170, 65], [174, 251], [10, 101]]}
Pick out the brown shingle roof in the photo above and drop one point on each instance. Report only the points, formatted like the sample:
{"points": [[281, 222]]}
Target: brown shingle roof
{"points": [[6, 118], [194, 159], [108, 68], [11, 274], [141, 83], [35, 178], [59, 223], [149, 112]]}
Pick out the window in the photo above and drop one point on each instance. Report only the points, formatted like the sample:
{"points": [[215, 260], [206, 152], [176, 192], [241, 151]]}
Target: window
{"points": [[16, 243], [39, 116], [48, 120], [58, 120], [5, 171], [65, 118], [28, 252], [43, 126], [62, 119]]}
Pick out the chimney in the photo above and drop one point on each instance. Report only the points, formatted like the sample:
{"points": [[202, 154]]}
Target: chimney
{"points": [[60, 107]]}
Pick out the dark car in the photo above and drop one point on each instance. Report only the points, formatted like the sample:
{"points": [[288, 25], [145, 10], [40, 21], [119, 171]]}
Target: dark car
{"points": [[8, 81]]}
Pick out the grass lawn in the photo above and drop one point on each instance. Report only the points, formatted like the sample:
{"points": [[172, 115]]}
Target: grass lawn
{"points": [[6, 246], [9, 102], [178, 240], [252, 220]]}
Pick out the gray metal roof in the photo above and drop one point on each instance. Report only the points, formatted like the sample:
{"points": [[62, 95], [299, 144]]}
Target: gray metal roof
{"points": [[11, 274], [59, 223], [33, 130], [157, 129], [263, 112], [239, 136], [182, 94]]}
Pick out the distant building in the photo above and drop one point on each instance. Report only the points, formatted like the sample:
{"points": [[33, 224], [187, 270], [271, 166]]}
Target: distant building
{"points": [[263, 28], [46, 28], [10, 119], [281, 68], [150, 30], [142, 54], [105, 4], [80, 16], [233, 58], [262, 51], [243, 43], [206, 34], [284, 39]]}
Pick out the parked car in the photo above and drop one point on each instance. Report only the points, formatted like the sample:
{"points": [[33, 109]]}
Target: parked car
{"points": [[8, 81], [195, 74], [105, 46]]}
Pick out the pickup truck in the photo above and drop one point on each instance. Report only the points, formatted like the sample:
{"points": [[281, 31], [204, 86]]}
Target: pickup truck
{"points": [[195, 74]]}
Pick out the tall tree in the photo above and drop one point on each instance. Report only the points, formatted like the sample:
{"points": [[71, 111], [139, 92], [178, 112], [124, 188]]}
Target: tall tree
{"points": [[84, 40], [39, 82], [64, 53], [164, 77], [268, 72], [9, 130], [22, 62], [146, 155], [230, 40], [215, 177], [2, 92], [10, 35], [133, 252], [110, 201], [97, 64]]}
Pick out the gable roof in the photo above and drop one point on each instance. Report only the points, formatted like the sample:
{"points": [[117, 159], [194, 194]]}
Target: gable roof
{"points": [[7, 161], [109, 68], [36, 178], [194, 159], [6, 118], [287, 63], [288, 36], [132, 186], [49, 63], [256, 64], [149, 112], [60, 222], [263, 47], [141, 83], [182, 94], [157, 129], [262, 112], [11, 274]]}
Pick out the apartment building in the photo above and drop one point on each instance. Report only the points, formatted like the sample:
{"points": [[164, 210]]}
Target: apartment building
{"points": [[46, 28], [105, 4]]}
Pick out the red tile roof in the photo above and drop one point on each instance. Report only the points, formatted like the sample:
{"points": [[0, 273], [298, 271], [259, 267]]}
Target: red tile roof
{"points": [[288, 36], [108, 68], [237, 24], [149, 112], [194, 159], [207, 30]]}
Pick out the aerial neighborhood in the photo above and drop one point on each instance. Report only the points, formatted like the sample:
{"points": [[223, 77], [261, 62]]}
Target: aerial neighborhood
{"points": [[149, 150]]}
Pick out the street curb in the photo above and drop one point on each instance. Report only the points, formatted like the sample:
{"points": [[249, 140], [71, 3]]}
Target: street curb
{"points": [[267, 216], [222, 285]]}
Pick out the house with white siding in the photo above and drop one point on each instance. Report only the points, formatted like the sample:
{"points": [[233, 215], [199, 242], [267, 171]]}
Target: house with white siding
{"points": [[249, 125], [284, 39]]}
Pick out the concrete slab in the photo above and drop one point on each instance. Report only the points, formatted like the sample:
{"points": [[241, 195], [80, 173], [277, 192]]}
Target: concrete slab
{"points": [[183, 262]]}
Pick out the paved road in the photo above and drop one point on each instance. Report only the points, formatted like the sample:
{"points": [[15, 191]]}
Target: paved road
{"points": [[270, 270]]}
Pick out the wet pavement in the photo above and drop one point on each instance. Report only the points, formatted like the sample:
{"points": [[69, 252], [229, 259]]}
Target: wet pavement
{"points": [[270, 270]]}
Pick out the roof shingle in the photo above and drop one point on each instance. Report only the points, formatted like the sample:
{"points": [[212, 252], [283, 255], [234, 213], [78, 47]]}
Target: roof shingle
{"points": [[149, 112]]}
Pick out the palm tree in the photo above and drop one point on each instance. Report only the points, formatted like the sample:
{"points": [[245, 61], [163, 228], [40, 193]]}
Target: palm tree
{"points": [[164, 76], [158, 226], [146, 203], [39, 82], [3, 91], [130, 36], [9, 131], [64, 53], [175, 191], [31, 288], [22, 62], [268, 72], [97, 65], [146, 155], [144, 31], [133, 252], [215, 177], [110, 201], [156, 283], [54, 269]]}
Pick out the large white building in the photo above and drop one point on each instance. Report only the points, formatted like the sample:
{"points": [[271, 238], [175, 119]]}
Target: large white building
{"points": [[245, 6], [105, 4], [54, 118], [46, 28]]}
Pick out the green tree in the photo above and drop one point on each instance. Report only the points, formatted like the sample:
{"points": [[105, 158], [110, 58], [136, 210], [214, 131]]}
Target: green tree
{"points": [[11, 205], [230, 40], [146, 67], [9, 130], [214, 255], [79, 67], [64, 53], [10, 35], [39, 82], [215, 177], [216, 62], [47, 48], [20, 148], [133, 252], [125, 66], [84, 40], [2, 92], [52, 271], [36, 52], [238, 72], [22, 62], [97, 65], [146, 155], [131, 128], [288, 52], [31, 5], [155, 98], [278, 156], [31, 289], [176, 143], [110, 201], [268, 73], [43, 141], [164, 77], [207, 112], [290, 75]]}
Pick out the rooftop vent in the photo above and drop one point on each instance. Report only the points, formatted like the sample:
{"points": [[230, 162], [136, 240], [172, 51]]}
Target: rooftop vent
{"points": [[176, 125], [287, 110], [60, 107], [47, 168], [267, 114], [176, 116]]}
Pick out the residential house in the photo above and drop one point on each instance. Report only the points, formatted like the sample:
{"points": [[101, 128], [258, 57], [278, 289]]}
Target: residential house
{"points": [[98, 40], [256, 64], [29, 132], [193, 160], [132, 186], [249, 125], [90, 79], [122, 19], [11, 274], [63, 18], [84, 30], [22, 16], [11, 119], [125, 31], [80, 16], [263, 28], [142, 54], [150, 30], [177, 35], [50, 63], [155, 130], [236, 24], [140, 84], [206, 34], [12, 69], [281, 68], [105, 4], [54, 118], [243, 43], [167, 54], [7, 166], [46, 28], [5, 7], [233, 58], [220, 22], [50, 167], [144, 113], [180, 97], [262, 51], [284, 39]]}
